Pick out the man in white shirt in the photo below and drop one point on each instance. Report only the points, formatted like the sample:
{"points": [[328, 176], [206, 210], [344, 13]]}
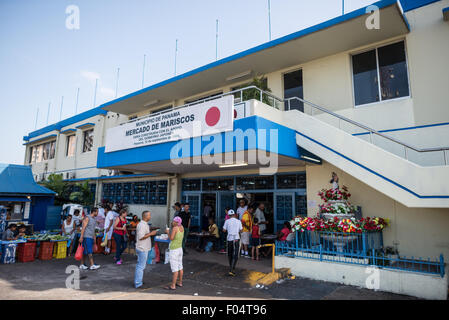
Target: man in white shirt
{"points": [[143, 246], [261, 217], [109, 226], [233, 226], [243, 207]]}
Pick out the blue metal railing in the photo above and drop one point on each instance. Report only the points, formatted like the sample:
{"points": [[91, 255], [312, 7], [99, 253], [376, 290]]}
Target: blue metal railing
{"points": [[354, 248]]}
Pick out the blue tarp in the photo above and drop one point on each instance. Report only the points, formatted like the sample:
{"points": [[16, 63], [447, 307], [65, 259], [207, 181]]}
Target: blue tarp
{"points": [[17, 180]]}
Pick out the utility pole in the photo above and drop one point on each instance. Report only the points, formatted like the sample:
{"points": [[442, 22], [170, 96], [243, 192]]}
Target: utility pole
{"points": [[216, 41], [176, 53], [116, 82], [342, 7], [269, 19], [48, 111], [77, 97], [143, 70], [60, 111], [95, 92]]}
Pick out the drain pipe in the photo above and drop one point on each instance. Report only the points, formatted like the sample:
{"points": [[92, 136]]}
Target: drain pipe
{"points": [[169, 196]]}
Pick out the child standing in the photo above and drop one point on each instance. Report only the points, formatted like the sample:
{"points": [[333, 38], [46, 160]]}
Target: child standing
{"points": [[255, 239]]}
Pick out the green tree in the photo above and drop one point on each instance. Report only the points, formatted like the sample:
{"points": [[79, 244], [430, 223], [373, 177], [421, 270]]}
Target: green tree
{"points": [[84, 196], [55, 183]]}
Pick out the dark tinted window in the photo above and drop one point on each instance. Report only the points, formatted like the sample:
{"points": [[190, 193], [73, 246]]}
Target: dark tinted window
{"points": [[393, 71], [293, 88], [364, 68]]}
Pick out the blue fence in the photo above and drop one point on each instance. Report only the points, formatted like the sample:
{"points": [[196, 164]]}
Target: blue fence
{"points": [[354, 248]]}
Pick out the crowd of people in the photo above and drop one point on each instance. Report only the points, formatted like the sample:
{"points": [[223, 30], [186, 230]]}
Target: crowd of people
{"points": [[240, 235]]}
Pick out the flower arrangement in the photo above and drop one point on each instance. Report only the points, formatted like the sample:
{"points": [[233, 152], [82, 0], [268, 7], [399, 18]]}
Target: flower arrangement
{"points": [[339, 225], [334, 194]]}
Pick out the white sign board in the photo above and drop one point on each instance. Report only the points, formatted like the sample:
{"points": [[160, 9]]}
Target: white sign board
{"points": [[205, 118]]}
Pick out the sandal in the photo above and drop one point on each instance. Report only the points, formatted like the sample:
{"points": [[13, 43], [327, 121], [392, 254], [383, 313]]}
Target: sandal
{"points": [[179, 285], [169, 288]]}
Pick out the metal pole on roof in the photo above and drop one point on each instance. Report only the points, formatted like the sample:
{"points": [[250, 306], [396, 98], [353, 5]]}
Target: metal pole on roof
{"points": [[60, 111], [143, 69], [48, 111], [216, 41], [269, 19], [77, 98], [342, 7], [116, 82], [176, 53], [95, 92], [37, 114]]}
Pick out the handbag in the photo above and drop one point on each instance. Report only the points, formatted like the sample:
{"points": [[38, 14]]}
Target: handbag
{"points": [[79, 252]]}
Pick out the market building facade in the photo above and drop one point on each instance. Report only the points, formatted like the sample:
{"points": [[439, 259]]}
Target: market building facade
{"points": [[369, 104]]}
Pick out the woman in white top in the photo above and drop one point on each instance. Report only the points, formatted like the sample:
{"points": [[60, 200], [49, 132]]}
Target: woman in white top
{"points": [[68, 229]]}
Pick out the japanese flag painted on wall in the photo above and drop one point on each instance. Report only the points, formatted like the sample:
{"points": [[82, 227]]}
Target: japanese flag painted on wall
{"points": [[217, 115]]}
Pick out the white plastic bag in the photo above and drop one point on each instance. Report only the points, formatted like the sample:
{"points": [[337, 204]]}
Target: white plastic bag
{"points": [[167, 256]]}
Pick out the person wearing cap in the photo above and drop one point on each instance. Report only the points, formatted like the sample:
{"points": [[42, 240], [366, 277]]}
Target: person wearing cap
{"points": [[233, 226], [176, 235]]}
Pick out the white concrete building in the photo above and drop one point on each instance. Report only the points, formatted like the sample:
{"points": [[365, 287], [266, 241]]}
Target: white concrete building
{"points": [[373, 107]]}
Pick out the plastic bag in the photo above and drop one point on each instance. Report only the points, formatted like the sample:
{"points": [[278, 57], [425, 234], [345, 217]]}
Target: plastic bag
{"points": [[79, 252], [208, 247], [157, 257], [104, 243], [167, 256], [151, 256]]}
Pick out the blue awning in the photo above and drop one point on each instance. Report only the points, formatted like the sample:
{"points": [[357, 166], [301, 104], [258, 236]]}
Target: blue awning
{"points": [[17, 180], [14, 199]]}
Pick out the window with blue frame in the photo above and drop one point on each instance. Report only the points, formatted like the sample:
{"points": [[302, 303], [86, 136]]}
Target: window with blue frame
{"points": [[146, 192]]}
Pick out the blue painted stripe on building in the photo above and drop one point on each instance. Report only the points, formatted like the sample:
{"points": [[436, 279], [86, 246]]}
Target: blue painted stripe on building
{"points": [[372, 171], [41, 139], [87, 124], [406, 128], [409, 5], [201, 146]]}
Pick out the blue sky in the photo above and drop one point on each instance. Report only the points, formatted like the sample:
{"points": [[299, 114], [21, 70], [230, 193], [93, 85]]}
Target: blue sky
{"points": [[41, 60]]}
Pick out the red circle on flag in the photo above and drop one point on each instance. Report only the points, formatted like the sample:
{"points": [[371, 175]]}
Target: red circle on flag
{"points": [[212, 116]]}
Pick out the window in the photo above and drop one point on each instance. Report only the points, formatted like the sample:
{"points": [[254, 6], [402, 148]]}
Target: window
{"points": [[70, 150], [293, 88], [42, 152], [88, 140], [387, 63]]}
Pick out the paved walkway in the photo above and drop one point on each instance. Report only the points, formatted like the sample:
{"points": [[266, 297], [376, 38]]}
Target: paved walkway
{"points": [[205, 278]]}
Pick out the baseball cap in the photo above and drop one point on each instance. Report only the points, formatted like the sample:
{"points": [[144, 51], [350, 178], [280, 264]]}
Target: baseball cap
{"points": [[231, 212]]}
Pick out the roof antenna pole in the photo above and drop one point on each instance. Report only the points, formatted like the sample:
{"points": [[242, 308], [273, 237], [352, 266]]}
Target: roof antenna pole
{"points": [[60, 111], [176, 53], [77, 98], [48, 111], [37, 114], [95, 92], [143, 69], [342, 7], [116, 82], [269, 20], [216, 41]]}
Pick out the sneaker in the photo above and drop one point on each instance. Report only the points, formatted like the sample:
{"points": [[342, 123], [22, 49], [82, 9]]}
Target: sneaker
{"points": [[94, 267], [119, 262], [232, 274], [83, 267], [222, 251]]}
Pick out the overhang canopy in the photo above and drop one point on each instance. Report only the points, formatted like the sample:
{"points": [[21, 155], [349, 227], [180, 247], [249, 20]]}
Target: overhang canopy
{"points": [[340, 34]]}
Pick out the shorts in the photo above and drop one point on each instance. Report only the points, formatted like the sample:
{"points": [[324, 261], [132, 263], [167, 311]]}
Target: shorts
{"points": [[176, 260], [255, 242], [88, 245], [245, 237]]}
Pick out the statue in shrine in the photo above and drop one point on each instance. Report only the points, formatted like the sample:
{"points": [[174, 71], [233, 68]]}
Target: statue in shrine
{"points": [[334, 181]]}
